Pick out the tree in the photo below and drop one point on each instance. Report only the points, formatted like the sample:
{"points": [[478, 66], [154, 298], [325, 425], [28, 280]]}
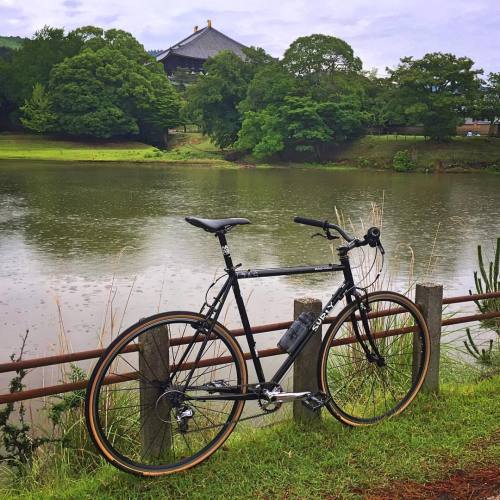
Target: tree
{"points": [[31, 64], [314, 55], [383, 105], [213, 100], [183, 77], [262, 132], [345, 118], [488, 102], [437, 91], [38, 114], [112, 88], [295, 124], [270, 85], [301, 124]]}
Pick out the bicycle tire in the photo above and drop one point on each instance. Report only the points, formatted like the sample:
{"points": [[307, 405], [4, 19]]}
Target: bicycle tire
{"points": [[357, 389], [153, 440]]}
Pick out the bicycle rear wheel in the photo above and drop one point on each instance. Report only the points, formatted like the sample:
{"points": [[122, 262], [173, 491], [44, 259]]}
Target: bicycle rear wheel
{"points": [[360, 391], [139, 407]]}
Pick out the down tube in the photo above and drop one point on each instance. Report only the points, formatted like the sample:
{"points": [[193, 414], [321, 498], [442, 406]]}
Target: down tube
{"points": [[336, 297], [248, 331]]}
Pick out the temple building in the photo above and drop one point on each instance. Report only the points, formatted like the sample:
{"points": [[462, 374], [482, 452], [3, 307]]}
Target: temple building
{"points": [[190, 53]]}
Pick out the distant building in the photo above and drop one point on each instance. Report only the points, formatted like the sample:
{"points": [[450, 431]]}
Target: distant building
{"points": [[481, 127], [190, 53]]}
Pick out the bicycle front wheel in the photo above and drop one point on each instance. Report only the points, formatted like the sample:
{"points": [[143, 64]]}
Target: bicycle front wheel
{"points": [[359, 390], [145, 409]]}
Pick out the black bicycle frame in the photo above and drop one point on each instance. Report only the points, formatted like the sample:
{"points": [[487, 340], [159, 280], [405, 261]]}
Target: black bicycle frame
{"points": [[234, 275]]}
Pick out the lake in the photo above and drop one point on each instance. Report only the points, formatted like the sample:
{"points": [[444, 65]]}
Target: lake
{"points": [[83, 243]]}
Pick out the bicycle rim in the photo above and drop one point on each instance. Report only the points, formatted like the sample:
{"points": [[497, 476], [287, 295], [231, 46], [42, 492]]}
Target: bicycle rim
{"points": [[138, 408], [361, 392]]}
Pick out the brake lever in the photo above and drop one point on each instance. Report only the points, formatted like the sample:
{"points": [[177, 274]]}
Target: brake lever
{"points": [[327, 235], [382, 251]]}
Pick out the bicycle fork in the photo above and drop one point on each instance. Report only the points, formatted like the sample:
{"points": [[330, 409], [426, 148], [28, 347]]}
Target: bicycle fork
{"points": [[371, 352]]}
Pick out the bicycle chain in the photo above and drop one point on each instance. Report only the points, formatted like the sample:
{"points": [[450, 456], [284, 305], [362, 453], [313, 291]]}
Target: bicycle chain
{"points": [[235, 421]]}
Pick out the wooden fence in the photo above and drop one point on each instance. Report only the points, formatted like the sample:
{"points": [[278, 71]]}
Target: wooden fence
{"points": [[429, 298]]}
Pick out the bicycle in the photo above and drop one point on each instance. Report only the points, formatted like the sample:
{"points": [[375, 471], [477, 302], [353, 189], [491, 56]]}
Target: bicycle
{"points": [[170, 389]]}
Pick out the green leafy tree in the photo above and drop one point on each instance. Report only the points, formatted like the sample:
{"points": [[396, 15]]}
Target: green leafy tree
{"points": [[263, 133], [29, 65], [436, 91], [307, 130], [314, 55], [213, 100], [269, 86], [296, 124], [488, 103], [183, 77], [38, 114], [301, 124], [32, 63], [113, 88], [345, 117]]}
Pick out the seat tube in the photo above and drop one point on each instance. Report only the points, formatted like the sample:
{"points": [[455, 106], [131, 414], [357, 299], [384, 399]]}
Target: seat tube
{"points": [[241, 306]]}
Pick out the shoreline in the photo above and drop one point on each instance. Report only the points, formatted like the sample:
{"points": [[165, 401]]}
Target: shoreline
{"points": [[373, 153], [211, 163]]}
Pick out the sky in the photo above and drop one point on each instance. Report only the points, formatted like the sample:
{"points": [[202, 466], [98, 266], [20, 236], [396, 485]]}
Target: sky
{"points": [[380, 31]]}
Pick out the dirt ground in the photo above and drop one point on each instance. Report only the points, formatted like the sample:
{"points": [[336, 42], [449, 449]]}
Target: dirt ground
{"points": [[464, 485]]}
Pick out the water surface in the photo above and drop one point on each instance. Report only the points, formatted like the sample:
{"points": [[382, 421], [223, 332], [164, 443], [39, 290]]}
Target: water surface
{"points": [[74, 235]]}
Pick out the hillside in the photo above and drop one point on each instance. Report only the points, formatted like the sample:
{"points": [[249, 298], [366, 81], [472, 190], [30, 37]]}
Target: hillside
{"points": [[11, 42], [459, 153]]}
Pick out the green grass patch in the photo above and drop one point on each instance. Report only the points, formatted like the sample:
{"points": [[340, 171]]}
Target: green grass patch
{"points": [[185, 148], [32, 147], [434, 437], [458, 154]]}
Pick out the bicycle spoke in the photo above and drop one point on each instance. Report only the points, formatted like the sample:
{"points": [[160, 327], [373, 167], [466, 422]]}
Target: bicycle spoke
{"points": [[151, 423], [361, 389]]}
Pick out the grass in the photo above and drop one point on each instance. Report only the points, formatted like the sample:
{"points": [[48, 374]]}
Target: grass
{"points": [[436, 436], [185, 148], [459, 154]]}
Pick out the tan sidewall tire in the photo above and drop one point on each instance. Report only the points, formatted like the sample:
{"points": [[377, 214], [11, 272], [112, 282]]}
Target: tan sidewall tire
{"points": [[117, 344], [332, 332]]}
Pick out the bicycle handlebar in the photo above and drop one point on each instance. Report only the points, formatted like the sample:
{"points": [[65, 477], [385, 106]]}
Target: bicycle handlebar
{"points": [[324, 225], [371, 238]]}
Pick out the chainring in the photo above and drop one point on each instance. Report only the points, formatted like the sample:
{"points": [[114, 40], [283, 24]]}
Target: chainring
{"points": [[266, 405]]}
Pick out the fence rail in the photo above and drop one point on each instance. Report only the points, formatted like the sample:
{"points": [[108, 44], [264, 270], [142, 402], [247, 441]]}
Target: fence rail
{"points": [[96, 353]]}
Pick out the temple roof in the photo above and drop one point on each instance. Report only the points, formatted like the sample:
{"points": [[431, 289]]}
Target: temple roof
{"points": [[202, 44]]}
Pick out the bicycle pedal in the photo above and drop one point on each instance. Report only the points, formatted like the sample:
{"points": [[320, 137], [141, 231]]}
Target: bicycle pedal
{"points": [[315, 402]]}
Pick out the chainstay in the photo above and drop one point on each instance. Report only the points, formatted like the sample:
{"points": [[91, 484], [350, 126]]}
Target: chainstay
{"points": [[250, 417], [228, 422]]}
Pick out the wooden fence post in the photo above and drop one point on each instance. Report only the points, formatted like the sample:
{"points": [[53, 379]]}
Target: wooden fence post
{"points": [[305, 376], [156, 433], [429, 298]]}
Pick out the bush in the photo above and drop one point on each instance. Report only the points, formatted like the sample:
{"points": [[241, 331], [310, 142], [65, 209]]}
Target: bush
{"points": [[403, 161], [364, 162], [156, 153]]}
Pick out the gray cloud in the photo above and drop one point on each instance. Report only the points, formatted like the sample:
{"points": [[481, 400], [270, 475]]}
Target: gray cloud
{"points": [[72, 4], [380, 32]]}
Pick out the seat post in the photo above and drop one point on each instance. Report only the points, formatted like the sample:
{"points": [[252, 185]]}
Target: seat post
{"points": [[225, 250]]}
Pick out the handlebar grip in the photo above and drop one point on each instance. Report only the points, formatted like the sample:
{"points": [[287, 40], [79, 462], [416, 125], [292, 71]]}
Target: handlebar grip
{"points": [[309, 222], [324, 225]]}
